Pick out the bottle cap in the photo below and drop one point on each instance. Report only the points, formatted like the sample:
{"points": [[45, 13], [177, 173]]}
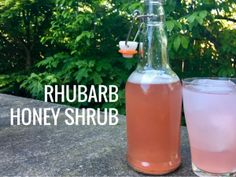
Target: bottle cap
{"points": [[128, 49]]}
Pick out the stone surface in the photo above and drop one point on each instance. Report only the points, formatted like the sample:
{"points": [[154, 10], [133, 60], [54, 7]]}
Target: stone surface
{"points": [[67, 150]]}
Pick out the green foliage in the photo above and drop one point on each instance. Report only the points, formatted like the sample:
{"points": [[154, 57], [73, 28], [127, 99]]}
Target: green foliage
{"points": [[10, 83], [79, 42], [199, 37], [35, 83], [63, 68], [88, 37], [22, 24]]}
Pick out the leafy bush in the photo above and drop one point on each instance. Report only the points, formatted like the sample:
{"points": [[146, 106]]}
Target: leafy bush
{"points": [[81, 43], [88, 37], [201, 44]]}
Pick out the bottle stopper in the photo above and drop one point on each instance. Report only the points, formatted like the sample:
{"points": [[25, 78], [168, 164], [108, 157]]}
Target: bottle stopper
{"points": [[128, 49]]}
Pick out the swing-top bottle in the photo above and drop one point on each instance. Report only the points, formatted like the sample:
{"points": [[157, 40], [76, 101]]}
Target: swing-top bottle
{"points": [[153, 101]]}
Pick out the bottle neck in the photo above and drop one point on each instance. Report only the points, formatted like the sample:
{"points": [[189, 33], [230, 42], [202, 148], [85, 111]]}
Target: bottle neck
{"points": [[153, 45], [154, 8]]}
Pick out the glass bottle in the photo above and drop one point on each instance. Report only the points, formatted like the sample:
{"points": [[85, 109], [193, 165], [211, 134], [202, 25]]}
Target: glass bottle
{"points": [[153, 101]]}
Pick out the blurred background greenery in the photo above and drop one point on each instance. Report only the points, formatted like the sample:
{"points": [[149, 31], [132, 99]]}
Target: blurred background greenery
{"points": [[75, 42]]}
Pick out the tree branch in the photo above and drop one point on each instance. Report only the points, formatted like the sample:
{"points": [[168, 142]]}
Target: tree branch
{"points": [[226, 18]]}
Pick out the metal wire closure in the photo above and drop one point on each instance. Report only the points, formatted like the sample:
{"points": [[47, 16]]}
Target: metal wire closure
{"points": [[139, 31], [137, 16]]}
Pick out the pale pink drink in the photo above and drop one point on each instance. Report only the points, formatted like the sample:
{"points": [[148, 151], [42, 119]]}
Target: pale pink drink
{"points": [[210, 110], [153, 100]]}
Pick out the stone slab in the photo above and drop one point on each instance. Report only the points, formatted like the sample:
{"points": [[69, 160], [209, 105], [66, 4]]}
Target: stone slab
{"points": [[67, 150]]}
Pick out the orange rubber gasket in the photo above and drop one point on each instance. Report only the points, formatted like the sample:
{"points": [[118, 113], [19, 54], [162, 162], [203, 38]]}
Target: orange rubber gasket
{"points": [[128, 52]]}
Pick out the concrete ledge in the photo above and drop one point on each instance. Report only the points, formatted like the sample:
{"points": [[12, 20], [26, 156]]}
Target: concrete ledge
{"points": [[67, 150]]}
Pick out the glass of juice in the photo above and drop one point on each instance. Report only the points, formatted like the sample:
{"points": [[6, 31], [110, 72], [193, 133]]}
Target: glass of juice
{"points": [[210, 111]]}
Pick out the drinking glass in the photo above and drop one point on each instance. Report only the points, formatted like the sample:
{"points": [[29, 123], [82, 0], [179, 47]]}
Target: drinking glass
{"points": [[210, 111]]}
